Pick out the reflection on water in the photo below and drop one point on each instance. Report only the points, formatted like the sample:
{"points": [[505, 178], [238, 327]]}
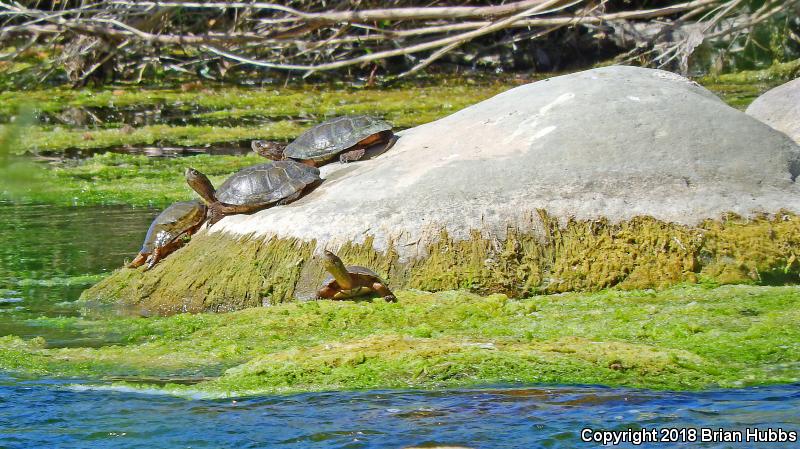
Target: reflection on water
{"points": [[49, 254], [54, 415]]}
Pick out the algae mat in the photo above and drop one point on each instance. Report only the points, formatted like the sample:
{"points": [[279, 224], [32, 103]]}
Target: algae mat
{"points": [[230, 273], [688, 337]]}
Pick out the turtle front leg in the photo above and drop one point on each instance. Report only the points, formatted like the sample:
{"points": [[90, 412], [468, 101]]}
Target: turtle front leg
{"points": [[153, 259], [352, 155], [163, 251], [327, 292], [138, 261], [384, 291], [218, 211]]}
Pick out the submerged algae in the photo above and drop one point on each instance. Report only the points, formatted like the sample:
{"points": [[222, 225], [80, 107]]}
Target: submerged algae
{"points": [[680, 338], [229, 272]]}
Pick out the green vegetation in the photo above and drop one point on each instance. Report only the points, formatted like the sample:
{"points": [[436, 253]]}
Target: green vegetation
{"points": [[741, 88], [681, 338], [137, 180]]}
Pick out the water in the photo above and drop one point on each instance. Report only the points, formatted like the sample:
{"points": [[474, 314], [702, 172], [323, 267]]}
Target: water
{"points": [[55, 415], [49, 254]]}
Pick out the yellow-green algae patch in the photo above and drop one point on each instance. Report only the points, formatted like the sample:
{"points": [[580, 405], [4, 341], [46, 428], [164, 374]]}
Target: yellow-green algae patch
{"points": [[218, 272], [685, 337]]}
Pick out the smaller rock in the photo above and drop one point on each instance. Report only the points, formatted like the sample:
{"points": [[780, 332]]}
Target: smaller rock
{"points": [[780, 109]]}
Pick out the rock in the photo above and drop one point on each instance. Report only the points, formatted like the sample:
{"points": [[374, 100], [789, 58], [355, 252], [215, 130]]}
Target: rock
{"points": [[780, 109], [598, 178], [615, 142]]}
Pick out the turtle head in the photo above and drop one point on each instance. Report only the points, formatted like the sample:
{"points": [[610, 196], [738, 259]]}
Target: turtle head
{"points": [[333, 265], [200, 184], [268, 149]]}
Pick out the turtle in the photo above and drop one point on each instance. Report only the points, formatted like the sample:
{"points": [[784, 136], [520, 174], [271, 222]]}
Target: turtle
{"points": [[166, 233], [351, 281], [347, 137], [254, 188]]}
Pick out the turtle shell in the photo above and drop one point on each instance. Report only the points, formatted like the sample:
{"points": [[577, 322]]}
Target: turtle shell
{"points": [[329, 138], [267, 183], [172, 222], [354, 269]]}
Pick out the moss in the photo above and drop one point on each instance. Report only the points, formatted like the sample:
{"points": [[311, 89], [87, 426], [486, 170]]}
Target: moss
{"points": [[681, 338], [220, 272]]}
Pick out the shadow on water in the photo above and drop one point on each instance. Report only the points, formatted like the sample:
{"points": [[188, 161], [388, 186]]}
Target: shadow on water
{"points": [[49, 254], [52, 414]]}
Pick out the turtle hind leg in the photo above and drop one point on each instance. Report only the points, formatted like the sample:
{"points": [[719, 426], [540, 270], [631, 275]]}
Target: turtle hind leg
{"points": [[352, 155], [384, 291]]}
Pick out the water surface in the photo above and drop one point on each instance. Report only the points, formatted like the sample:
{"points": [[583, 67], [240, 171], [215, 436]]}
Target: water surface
{"points": [[49, 254], [63, 415]]}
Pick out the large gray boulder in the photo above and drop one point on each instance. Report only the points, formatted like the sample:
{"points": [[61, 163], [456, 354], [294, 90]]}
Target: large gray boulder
{"points": [[613, 142], [780, 109], [617, 176]]}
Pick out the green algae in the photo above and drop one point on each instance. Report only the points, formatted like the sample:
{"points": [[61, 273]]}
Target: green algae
{"points": [[113, 178], [229, 272], [687, 337], [741, 88], [778, 72]]}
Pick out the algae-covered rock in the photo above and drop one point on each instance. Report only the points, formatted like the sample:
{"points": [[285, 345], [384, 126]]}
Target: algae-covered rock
{"points": [[780, 109], [600, 178]]}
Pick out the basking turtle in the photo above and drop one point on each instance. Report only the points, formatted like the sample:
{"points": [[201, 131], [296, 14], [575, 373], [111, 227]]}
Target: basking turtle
{"points": [[351, 281], [346, 137], [167, 231], [254, 188]]}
